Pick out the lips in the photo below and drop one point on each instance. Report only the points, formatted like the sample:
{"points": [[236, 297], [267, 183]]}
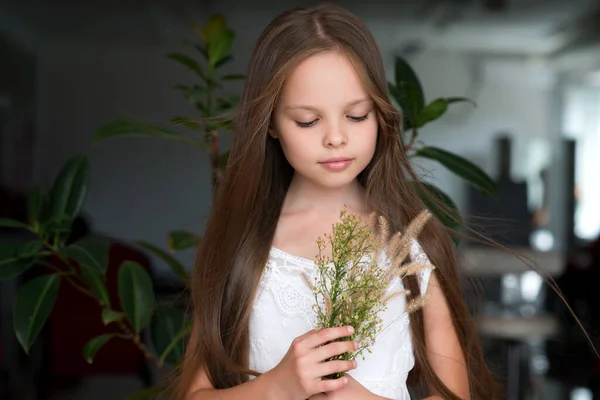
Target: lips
{"points": [[336, 163], [336, 160]]}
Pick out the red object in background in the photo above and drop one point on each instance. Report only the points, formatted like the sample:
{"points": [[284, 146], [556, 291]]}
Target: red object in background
{"points": [[77, 318]]}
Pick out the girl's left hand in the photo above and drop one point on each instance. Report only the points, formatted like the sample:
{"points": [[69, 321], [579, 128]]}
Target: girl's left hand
{"points": [[351, 391]]}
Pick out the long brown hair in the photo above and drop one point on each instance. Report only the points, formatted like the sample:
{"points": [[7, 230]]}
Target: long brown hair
{"points": [[247, 205]]}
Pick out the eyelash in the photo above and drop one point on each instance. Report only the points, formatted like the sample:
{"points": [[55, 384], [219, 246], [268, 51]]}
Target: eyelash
{"points": [[311, 123]]}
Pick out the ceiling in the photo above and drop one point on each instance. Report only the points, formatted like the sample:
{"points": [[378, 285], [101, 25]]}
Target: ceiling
{"points": [[530, 27]]}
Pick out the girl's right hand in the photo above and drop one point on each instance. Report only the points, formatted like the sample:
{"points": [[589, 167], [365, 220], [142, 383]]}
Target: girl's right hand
{"points": [[298, 375]]}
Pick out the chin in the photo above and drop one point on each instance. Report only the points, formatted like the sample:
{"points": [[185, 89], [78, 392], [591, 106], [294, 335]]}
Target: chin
{"points": [[329, 179], [335, 182]]}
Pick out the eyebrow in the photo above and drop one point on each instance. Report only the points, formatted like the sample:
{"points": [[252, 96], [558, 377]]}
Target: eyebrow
{"points": [[299, 106]]}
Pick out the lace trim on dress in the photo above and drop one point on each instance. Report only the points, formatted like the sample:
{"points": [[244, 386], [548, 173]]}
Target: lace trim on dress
{"points": [[283, 309]]}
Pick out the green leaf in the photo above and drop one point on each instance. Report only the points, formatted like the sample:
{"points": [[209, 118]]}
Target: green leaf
{"points": [[451, 100], [70, 188], [204, 111], [96, 282], [93, 345], [17, 257], [398, 98], [223, 159], [214, 26], [109, 316], [175, 265], [166, 328], [224, 103], [11, 223], [461, 167], [58, 224], [431, 112], [408, 101], [219, 46], [224, 125], [202, 50], [404, 73], [187, 122], [194, 93], [35, 203], [394, 92], [223, 61], [136, 294], [45, 211], [437, 108], [198, 29], [33, 304], [451, 218], [197, 96], [405, 97], [91, 251], [188, 62], [182, 240], [231, 77], [29, 249], [127, 127]]}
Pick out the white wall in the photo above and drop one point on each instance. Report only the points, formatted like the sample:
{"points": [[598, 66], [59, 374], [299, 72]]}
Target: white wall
{"points": [[512, 97], [142, 188]]}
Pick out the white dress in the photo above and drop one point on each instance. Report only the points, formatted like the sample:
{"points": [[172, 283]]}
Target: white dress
{"points": [[283, 310]]}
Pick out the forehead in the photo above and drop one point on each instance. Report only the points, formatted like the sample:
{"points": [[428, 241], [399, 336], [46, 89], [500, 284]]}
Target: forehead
{"points": [[322, 79]]}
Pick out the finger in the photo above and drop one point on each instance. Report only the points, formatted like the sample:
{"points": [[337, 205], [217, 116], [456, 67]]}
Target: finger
{"points": [[334, 349], [333, 367], [299, 343], [322, 336], [329, 385]]}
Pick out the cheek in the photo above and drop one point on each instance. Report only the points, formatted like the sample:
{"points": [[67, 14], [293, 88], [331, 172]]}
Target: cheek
{"points": [[368, 138], [297, 148]]}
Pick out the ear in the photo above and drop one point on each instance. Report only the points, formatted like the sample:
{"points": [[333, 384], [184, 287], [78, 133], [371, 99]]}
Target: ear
{"points": [[272, 133]]}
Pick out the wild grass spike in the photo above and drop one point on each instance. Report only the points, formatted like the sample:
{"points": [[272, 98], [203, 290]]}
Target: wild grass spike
{"points": [[352, 285]]}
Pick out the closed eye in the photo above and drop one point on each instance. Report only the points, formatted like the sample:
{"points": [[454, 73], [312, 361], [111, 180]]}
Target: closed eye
{"points": [[306, 124], [358, 119], [350, 117]]}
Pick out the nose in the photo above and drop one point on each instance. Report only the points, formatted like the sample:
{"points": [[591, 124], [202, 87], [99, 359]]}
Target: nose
{"points": [[335, 137]]}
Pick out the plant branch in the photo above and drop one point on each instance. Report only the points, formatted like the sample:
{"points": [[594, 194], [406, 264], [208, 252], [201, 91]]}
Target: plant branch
{"points": [[191, 141], [174, 342], [413, 138], [128, 333], [140, 345], [77, 286]]}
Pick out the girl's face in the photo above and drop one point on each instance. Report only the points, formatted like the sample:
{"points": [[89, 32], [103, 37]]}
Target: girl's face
{"points": [[325, 121]]}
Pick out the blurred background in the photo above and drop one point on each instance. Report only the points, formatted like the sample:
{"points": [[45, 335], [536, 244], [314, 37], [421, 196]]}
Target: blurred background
{"points": [[531, 66]]}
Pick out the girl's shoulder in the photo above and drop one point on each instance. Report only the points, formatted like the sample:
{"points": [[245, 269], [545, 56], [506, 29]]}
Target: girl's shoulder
{"points": [[418, 255]]}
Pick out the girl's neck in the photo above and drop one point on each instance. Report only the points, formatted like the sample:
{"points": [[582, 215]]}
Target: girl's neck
{"points": [[306, 196]]}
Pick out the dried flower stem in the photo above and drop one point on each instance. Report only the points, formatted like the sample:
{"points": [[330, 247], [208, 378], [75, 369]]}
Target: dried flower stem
{"points": [[351, 287]]}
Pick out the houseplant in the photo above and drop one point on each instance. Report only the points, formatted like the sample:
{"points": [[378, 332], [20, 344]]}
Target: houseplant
{"points": [[51, 213]]}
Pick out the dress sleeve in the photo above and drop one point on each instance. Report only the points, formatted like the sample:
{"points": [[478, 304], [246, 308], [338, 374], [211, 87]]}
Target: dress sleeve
{"points": [[418, 255]]}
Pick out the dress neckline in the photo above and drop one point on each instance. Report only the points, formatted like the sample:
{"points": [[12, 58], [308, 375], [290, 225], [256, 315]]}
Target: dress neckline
{"points": [[278, 253]]}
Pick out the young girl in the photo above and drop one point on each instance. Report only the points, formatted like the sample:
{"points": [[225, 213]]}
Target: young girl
{"points": [[316, 133]]}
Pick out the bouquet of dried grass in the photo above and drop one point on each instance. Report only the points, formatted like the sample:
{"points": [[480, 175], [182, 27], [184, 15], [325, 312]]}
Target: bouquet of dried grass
{"points": [[351, 286]]}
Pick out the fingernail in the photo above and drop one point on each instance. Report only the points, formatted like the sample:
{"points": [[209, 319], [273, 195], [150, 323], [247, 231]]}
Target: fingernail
{"points": [[354, 363], [350, 330], [345, 380], [355, 345]]}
